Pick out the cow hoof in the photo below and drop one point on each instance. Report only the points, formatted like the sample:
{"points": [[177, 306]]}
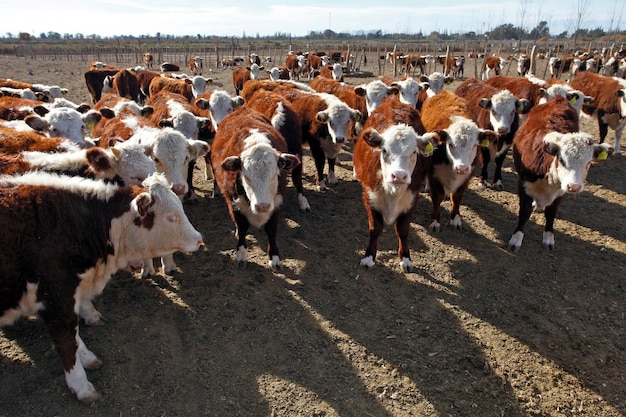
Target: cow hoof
{"points": [[367, 262], [93, 365], [99, 322], [407, 265], [275, 263], [89, 397], [498, 186], [434, 226]]}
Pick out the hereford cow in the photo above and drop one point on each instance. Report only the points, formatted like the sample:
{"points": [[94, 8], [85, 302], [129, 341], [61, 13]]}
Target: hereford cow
{"points": [[14, 141], [523, 64], [288, 123], [295, 64], [492, 66], [493, 109], [124, 83], [409, 90], [280, 72], [334, 71], [148, 60], [243, 74], [59, 282], [94, 79], [190, 88], [375, 93], [608, 105], [521, 87], [251, 162], [195, 65], [353, 96], [173, 110], [557, 66], [453, 159], [412, 61], [143, 79], [389, 158], [551, 158], [169, 67]]}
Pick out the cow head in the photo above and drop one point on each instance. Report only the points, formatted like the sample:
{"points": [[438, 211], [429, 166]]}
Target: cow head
{"points": [[219, 105], [126, 160], [65, 122], [376, 91], [503, 109], [573, 154], [339, 118]]}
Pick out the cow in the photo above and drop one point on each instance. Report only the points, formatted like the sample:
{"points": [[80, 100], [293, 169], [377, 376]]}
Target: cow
{"points": [[148, 60], [409, 90], [450, 170], [608, 104], [94, 79], [523, 64], [436, 82], [375, 93], [493, 109], [389, 158], [189, 88], [353, 96], [126, 164], [557, 66], [124, 83], [243, 74], [120, 120], [195, 65], [219, 104], [143, 79], [295, 64], [575, 98], [313, 65], [412, 61], [280, 72], [169, 67], [59, 282], [173, 110], [25, 93], [327, 124], [527, 87], [492, 65], [62, 121], [334, 71], [551, 158], [288, 123], [14, 141], [251, 162]]}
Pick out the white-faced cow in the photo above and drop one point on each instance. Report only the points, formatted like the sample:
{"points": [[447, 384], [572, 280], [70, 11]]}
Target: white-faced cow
{"points": [[551, 158], [196, 65], [103, 227], [251, 163]]}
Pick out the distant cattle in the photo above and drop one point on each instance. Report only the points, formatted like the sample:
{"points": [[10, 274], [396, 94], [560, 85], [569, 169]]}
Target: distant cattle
{"points": [[14, 141], [251, 163], [169, 67], [295, 64], [189, 88], [280, 72], [492, 66], [334, 71], [551, 158], [196, 65], [523, 64], [148, 60], [243, 74], [103, 227], [94, 79], [608, 104], [457, 154], [353, 96], [124, 83], [388, 165]]}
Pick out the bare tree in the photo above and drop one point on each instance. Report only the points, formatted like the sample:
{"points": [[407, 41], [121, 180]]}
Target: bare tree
{"points": [[580, 15], [615, 19], [523, 11]]}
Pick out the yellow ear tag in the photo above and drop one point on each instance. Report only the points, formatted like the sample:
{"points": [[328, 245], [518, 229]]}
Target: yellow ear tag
{"points": [[484, 143], [428, 148], [572, 100], [602, 155], [357, 118], [520, 108], [91, 124]]}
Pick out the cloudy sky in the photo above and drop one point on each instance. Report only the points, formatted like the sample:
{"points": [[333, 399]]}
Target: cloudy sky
{"points": [[296, 17]]}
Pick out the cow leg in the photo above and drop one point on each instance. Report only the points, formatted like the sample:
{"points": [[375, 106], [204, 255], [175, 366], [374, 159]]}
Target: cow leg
{"points": [[455, 199], [484, 172], [320, 160], [332, 179], [436, 195], [191, 195], [550, 215], [602, 126], [525, 210], [168, 264], [402, 226], [148, 268], [376, 226], [503, 150], [88, 312], [242, 224], [296, 178], [271, 228], [62, 325]]}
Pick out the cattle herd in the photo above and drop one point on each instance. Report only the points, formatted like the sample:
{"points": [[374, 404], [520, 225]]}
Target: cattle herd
{"points": [[109, 178]]}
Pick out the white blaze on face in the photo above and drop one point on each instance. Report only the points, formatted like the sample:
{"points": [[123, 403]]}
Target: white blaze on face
{"points": [[259, 174], [199, 85], [338, 116], [462, 144], [575, 98], [221, 104], [69, 123], [398, 156], [255, 69], [436, 80], [573, 156], [502, 112], [375, 92], [337, 71], [409, 91]]}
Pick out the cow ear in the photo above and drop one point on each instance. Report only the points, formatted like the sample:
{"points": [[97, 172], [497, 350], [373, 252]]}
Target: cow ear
{"points": [[360, 91], [107, 113], [232, 163], [355, 116], [602, 151], [41, 110], [523, 106], [144, 202], [83, 108], [322, 116], [394, 89], [487, 137], [147, 111], [485, 103], [91, 118], [287, 161], [238, 101], [619, 93], [37, 123], [372, 137], [97, 159], [202, 103], [551, 147], [166, 123]]}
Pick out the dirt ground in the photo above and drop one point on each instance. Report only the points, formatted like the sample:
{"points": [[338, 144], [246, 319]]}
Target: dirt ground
{"points": [[475, 330]]}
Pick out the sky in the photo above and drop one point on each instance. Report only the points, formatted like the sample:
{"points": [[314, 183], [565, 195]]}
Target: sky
{"points": [[235, 18]]}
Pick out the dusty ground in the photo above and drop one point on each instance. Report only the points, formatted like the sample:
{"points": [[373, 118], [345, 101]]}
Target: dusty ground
{"points": [[474, 331]]}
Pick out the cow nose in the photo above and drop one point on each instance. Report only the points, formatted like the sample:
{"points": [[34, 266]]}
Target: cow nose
{"points": [[340, 139], [503, 130], [399, 177], [462, 169], [262, 207], [574, 188], [179, 189]]}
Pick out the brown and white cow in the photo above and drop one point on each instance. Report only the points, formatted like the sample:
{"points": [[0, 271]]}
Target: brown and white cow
{"points": [[14, 141], [455, 157], [523, 64], [492, 66], [412, 61], [148, 60], [190, 88], [251, 163], [295, 64], [280, 72], [169, 67], [103, 227], [375, 93], [353, 96], [196, 65], [551, 158], [493, 109], [388, 164], [94, 79], [288, 123], [409, 90], [124, 83], [608, 104], [243, 74], [334, 71], [173, 110]]}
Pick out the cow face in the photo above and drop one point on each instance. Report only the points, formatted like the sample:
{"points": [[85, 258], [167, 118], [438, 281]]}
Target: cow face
{"points": [[199, 84], [260, 166], [339, 117], [126, 160], [409, 90], [160, 226], [502, 111], [375, 92], [220, 105], [462, 139], [65, 122], [573, 154], [399, 146]]}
